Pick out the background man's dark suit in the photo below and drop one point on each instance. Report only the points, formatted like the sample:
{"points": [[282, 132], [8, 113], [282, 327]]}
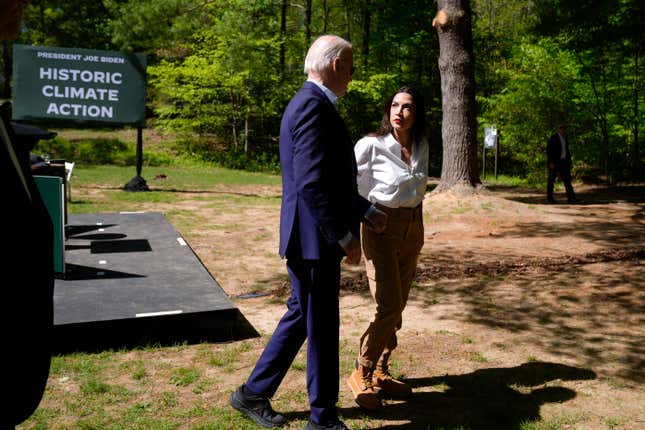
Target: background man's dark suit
{"points": [[320, 204], [559, 166]]}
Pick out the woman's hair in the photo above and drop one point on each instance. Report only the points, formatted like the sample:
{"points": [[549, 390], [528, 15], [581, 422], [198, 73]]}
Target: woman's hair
{"points": [[419, 126], [323, 51]]}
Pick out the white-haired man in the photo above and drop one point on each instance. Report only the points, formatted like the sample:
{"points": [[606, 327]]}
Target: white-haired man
{"points": [[319, 224]]}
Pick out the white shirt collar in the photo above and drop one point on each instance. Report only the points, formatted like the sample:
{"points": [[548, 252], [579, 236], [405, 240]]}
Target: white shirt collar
{"points": [[329, 93], [394, 146], [391, 142]]}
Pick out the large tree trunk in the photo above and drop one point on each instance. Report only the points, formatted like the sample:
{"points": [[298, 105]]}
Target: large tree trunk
{"points": [[459, 126]]}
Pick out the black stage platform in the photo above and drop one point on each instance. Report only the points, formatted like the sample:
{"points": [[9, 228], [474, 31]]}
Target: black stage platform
{"points": [[131, 280]]}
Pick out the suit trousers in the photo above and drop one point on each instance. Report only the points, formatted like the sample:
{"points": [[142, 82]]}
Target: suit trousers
{"points": [[565, 175], [390, 260], [312, 314]]}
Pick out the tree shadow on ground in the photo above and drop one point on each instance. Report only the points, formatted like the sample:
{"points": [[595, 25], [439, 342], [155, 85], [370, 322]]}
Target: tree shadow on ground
{"points": [[606, 226], [495, 398], [601, 232], [590, 196], [589, 309], [590, 313]]}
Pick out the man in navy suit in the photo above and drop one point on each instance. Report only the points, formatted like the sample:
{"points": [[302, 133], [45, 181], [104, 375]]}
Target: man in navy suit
{"points": [[319, 224], [559, 163]]}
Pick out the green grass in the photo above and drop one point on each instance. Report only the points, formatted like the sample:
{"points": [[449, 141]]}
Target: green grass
{"points": [[175, 178], [558, 423], [510, 181], [466, 339], [487, 206], [206, 183], [479, 358], [227, 357], [462, 209], [183, 376]]}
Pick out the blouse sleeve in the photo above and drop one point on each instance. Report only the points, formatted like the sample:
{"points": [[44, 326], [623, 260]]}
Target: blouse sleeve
{"points": [[363, 151]]}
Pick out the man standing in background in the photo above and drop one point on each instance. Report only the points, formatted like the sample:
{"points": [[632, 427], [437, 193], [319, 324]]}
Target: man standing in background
{"points": [[559, 163]]}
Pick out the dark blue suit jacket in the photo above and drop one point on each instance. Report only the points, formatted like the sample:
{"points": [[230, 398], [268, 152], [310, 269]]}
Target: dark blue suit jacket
{"points": [[320, 200], [553, 152]]}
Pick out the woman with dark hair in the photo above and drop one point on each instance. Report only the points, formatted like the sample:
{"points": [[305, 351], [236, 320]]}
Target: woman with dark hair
{"points": [[392, 175]]}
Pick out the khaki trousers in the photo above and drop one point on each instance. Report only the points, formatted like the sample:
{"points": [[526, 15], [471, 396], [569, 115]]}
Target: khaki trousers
{"points": [[390, 260]]}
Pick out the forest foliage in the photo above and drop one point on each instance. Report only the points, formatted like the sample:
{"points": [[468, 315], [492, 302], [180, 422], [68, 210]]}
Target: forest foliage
{"points": [[221, 71]]}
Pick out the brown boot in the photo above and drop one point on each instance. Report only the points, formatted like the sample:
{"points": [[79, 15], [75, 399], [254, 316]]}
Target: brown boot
{"points": [[383, 381], [360, 382]]}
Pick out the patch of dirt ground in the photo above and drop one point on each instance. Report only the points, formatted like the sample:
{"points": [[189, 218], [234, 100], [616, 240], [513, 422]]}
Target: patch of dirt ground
{"points": [[521, 311]]}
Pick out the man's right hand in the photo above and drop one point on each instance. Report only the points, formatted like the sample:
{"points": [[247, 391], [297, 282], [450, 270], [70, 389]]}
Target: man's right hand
{"points": [[353, 251]]}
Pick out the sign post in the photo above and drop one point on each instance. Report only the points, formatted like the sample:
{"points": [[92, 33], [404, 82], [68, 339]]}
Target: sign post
{"points": [[490, 141]]}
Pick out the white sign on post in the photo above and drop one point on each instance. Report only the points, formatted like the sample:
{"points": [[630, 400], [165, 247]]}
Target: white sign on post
{"points": [[490, 137]]}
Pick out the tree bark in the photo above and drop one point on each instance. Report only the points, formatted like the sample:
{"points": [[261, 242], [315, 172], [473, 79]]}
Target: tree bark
{"points": [[246, 132], [348, 28], [366, 34], [325, 15], [283, 35], [459, 124], [307, 22], [636, 156]]}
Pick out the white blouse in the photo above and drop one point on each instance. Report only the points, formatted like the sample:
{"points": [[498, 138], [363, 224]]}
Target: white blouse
{"points": [[383, 177]]}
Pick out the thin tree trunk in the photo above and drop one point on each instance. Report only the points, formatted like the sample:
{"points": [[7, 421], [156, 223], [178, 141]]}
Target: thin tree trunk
{"points": [[459, 124], [246, 132], [366, 34], [283, 35], [636, 157], [348, 27], [601, 114], [234, 123], [307, 22], [325, 16]]}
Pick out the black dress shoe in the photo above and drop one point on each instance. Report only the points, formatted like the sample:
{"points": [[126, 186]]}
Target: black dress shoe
{"points": [[338, 425], [257, 408]]}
